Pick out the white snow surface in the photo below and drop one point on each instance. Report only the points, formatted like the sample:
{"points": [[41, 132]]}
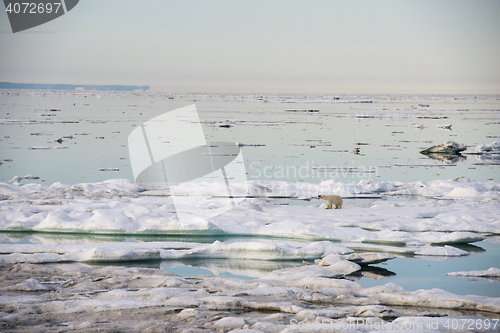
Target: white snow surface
{"points": [[448, 212]]}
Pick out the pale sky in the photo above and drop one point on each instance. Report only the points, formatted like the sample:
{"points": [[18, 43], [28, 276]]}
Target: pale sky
{"points": [[273, 46]]}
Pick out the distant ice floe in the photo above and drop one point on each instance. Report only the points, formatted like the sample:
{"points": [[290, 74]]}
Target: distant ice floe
{"points": [[445, 126], [486, 151], [491, 272], [492, 147], [47, 147], [448, 147], [486, 154]]}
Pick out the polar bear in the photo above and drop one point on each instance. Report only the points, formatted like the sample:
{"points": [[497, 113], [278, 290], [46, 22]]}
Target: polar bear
{"points": [[332, 200]]}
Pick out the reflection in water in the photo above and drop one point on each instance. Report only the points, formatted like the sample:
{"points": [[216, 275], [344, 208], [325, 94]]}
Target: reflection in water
{"points": [[409, 271], [472, 249], [243, 269], [486, 158], [35, 237], [240, 268], [371, 272], [445, 158]]}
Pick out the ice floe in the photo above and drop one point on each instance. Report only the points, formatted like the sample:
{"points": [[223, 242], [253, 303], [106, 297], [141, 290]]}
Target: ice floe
{"points": [[448, 147], [47, 147], [452, 211], [491, 272], [79, 297], [133, 251], [492, 147], [447, 250]]}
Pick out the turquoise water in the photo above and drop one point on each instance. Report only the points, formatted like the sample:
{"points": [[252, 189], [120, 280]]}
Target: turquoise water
{"points": [[410, 272], [419, 273]]}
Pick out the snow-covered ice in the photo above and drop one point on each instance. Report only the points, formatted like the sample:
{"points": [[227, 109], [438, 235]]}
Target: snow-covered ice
{"points": [[78, 297], [452, 211], [486, 154], [448, 147], [449, 212], [489, 148], [75, 296]]}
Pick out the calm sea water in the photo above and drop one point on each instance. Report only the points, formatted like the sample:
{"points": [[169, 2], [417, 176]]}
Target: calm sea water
{"points": [[293, 138]]}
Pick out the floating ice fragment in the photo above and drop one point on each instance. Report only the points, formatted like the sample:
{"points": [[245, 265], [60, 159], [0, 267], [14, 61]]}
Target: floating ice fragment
{"points": [[304, 273], [41, 133], [368, 258], [302, 110], [489, 148], [449, 238], [448, 251], [47, 147], [491, 272], [250, 145], [17, 180], [448, 147]]}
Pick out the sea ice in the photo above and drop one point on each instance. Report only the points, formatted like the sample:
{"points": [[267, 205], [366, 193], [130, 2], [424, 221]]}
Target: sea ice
{"points": [[456, 211], [447, 250], [492, 147], [491, 272], [47, 147], [448, 147], [131, 251], [126, 298]]}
